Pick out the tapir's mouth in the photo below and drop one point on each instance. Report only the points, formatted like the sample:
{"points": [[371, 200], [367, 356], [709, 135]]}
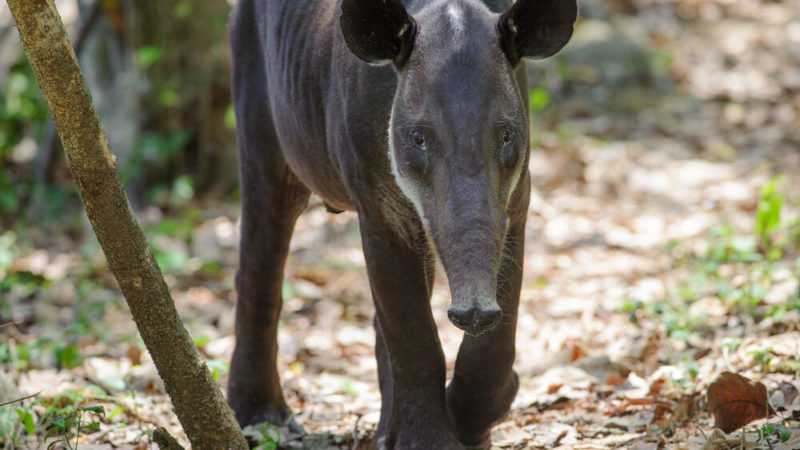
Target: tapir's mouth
{"points": [[475, 320]]}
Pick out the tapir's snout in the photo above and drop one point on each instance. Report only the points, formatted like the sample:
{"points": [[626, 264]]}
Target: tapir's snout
{"points": [[475, 319]]}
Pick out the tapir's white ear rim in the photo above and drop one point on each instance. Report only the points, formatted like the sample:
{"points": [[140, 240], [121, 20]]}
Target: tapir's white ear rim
{"points": [[536, 29], [378, 31]]}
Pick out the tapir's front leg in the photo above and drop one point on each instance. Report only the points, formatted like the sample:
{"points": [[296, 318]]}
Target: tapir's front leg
{"points": [[484, 383], [399, 282]]}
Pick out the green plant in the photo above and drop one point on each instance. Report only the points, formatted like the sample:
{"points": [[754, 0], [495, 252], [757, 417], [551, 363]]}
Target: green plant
{"points": [[538, 99], [61, 420], [772, 434], [738, 269], [23, 111], [15, 420], [63, 424], [768, 217], [217, 367], [23, 115], [762, 357], [270, 437], [68, 356]]}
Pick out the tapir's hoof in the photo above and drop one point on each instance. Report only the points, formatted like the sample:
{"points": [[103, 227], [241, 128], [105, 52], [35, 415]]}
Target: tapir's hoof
{"points": [[295, 428]]}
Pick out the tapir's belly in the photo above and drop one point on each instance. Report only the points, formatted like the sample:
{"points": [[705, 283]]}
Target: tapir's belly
{"points": [[301, 132]]}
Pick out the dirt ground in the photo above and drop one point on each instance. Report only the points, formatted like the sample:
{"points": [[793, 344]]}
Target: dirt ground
{"points": [[654, 135]]}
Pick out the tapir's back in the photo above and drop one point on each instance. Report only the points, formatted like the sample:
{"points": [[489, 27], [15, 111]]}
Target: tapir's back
{"points": [[327, 106]]}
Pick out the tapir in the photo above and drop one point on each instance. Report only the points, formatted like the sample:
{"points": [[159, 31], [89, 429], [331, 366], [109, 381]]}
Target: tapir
{"points": [[413, 114]]}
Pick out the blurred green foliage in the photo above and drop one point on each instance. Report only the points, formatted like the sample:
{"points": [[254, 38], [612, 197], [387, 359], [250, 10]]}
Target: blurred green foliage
{"points": [[57, 423], [760, 258], [23, 111]]}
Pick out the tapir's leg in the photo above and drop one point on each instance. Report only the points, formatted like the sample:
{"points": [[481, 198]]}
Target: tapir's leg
{"points": [[398, 278], [272, 198], [384, 379], [270, 205], [484, 383], [384, 368]]}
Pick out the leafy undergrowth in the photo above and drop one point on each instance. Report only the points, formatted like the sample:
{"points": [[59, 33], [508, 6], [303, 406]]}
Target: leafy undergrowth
{"points": [[631, 309]]}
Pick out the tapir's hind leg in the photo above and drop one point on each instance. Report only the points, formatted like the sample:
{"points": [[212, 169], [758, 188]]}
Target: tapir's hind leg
{"points": [[272, 199]]}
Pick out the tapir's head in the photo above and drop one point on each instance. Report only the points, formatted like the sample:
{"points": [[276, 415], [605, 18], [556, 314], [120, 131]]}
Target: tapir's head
{"points": [[458, 134]]}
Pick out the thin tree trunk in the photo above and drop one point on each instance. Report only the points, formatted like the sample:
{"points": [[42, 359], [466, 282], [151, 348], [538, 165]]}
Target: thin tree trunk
{"points": [[198, 403]]}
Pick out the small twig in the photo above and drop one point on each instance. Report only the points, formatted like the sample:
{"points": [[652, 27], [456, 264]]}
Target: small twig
{"points": [[355, 433], [20, 399], [3, 325], [703, 433], [561, 436], [165, 440]]}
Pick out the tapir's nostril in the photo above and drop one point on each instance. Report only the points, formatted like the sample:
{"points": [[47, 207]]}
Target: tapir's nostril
{"points": [[475, 320]]}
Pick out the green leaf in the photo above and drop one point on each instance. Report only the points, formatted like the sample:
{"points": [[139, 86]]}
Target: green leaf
{"points": [[116, 411], [539, 99], [183, 10], [270, 437], [149, 55], [217, 368], [68, 356], [230, 118], [94, 426], [182, 190], [95, 409], [27, 421]]}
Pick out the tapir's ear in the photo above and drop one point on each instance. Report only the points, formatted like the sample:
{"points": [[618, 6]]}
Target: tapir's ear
{"points": [[378, 31], [536, 28]]}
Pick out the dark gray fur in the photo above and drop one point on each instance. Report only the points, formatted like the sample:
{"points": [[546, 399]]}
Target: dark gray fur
{"points": [[313, 116]]}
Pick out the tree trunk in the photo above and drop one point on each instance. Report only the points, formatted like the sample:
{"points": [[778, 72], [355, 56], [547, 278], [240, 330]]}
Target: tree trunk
{"points": [[198, 403]]}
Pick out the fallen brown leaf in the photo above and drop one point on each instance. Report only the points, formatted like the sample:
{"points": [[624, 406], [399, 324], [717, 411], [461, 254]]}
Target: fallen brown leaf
{"points": [[736, 401], [577, 353], [661, 415], [790, 392], [657, 385], [684, 409], [614, 379]]}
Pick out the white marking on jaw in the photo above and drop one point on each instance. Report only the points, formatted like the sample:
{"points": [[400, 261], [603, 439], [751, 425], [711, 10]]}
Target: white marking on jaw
{"points": [[514, 182], [408, 189], [456, 17]]}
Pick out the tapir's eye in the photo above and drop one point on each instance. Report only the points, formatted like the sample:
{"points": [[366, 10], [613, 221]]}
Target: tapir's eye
{"points": [[418, 139], [508, 137], [509, 151]]}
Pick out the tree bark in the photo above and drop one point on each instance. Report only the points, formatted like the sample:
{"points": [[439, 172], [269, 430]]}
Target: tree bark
{"points": [[197, 400]]}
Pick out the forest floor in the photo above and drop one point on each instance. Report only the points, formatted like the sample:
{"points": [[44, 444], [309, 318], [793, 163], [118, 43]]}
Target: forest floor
{"points": [[661, 253]]}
